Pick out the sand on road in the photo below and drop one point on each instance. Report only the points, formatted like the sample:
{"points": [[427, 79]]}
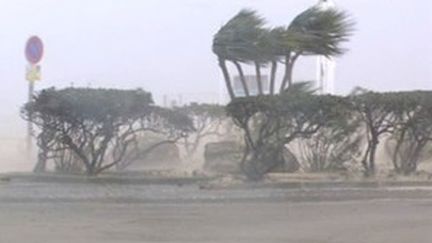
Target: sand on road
{"points": [[396, 221]]}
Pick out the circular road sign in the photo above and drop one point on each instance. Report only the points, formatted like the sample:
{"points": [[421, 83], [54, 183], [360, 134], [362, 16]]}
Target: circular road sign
{"points": [[34, 50]]}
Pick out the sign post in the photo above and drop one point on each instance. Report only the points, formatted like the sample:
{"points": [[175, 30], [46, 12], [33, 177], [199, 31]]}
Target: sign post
{"points": [[33, 51]]}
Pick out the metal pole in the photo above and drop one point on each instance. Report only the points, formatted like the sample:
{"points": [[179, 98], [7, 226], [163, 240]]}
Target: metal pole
{"points": [[29, 123]]}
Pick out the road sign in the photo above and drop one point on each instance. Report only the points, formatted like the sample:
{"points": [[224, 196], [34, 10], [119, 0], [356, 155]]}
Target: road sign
{"points": [[34, 50], [33, 73]]}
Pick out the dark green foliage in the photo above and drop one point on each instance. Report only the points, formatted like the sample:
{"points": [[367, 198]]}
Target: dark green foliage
{"points": [[375, 112], [318, 32], [412, 133], [405, 116], [98, 127], [244, 40], [333, 128], [272, 122], [237, 39], [72, 104]]}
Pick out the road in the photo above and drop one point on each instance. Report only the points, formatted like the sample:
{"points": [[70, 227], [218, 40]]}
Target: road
{"points": [[263, 216]]}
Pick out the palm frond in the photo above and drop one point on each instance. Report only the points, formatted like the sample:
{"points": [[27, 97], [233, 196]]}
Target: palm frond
{"points": [[321, 31], [238, 39]]}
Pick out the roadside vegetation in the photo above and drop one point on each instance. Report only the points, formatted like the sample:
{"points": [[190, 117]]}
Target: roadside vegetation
{"points": [[94, 129], [83, 130]]}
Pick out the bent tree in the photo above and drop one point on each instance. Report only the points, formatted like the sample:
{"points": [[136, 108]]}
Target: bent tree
{"points": [[98, 127], [376, 114], [236, 42], [271, 122], [244, 40], [402, 119], [412, 133]]}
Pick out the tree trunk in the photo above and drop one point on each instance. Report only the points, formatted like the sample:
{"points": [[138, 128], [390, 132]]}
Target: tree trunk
{"points": [[242, 78], [289, 67], [365, 159], [287, 74], [372, 154], [91, 171], [222, 64], [43, 149], [264, 159], [42, 160], [258, 78], [413, 160], [397, 151], [41, 163], [261, 157], [273, 77], [290, 74]]}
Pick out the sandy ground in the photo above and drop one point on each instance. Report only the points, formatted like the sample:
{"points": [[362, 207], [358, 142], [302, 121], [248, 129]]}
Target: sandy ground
{"points": [[94, 213]]}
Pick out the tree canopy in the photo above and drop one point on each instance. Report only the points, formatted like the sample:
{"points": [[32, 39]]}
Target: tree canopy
{"points": [[245, 39], [98, 126]]}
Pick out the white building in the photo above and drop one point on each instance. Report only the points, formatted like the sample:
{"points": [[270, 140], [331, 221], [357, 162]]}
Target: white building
{"points": [[251, 82]]}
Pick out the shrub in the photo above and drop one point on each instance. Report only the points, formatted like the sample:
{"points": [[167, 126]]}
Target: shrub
{"points": [[98, 127]]}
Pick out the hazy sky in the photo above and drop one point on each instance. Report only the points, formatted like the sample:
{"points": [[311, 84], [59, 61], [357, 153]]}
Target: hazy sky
{"points": [[165, 45]]}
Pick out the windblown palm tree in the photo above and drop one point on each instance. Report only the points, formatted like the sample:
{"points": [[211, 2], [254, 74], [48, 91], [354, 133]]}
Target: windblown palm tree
{"points": [[244, 40], [236, 41], [314, 32]]}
